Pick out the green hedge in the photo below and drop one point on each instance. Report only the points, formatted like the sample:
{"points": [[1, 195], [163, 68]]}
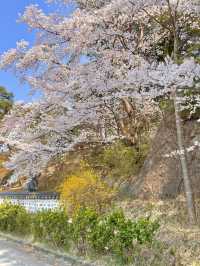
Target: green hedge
{"points": [[53, 227], [14, 219], [87, 231]]}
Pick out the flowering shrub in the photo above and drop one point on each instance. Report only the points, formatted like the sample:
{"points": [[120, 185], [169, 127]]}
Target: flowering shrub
{"points": [[86, 189]]}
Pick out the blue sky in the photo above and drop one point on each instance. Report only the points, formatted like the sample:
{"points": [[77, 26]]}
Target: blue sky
{"points": [[11, 32]]}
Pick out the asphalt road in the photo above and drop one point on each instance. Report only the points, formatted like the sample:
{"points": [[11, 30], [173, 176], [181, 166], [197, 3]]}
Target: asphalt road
{"points": [[14, 254]]}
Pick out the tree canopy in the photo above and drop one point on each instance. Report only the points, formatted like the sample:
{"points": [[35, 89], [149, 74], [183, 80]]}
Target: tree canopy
{"points": [[136, 51]]}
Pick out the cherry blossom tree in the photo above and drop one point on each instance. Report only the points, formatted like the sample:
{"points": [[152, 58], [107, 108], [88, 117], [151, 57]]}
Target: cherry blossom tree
{"points": [[108, 53]]}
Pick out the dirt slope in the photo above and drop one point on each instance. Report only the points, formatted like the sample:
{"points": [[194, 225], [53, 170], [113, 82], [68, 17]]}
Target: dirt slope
{"points": [[161, 177]]}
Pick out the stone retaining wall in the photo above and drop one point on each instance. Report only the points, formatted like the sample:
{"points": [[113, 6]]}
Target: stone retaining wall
{"points": [[33, 202]]}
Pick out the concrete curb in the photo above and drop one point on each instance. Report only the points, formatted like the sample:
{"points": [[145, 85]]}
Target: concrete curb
{"points": [[66, 257]]}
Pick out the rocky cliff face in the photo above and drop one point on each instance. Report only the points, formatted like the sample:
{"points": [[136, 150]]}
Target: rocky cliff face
{"points": [[161, 177]]}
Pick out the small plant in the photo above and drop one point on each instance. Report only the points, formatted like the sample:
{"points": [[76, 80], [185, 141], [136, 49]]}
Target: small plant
{"points": [[145, 229]]}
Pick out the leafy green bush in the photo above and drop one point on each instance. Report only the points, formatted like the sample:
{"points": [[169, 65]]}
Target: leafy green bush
{"points": [[14, 219], [87, 230], [116, 234], [113, 234], [145, 229], [53, 227], [84, 223], [119, 161]]}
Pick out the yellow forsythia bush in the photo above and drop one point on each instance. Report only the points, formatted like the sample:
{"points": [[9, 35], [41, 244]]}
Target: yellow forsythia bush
{"points": [[86, 189]]}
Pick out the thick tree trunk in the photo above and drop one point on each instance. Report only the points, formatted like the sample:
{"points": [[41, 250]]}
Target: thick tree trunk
{"points": [[186, 178]]}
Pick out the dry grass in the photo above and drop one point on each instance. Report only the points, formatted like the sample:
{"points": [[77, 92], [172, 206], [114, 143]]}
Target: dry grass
{"points": [[178, 244]]}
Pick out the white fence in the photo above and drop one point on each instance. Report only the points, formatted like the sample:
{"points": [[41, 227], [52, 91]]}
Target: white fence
{"points": [[33, 202]]}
